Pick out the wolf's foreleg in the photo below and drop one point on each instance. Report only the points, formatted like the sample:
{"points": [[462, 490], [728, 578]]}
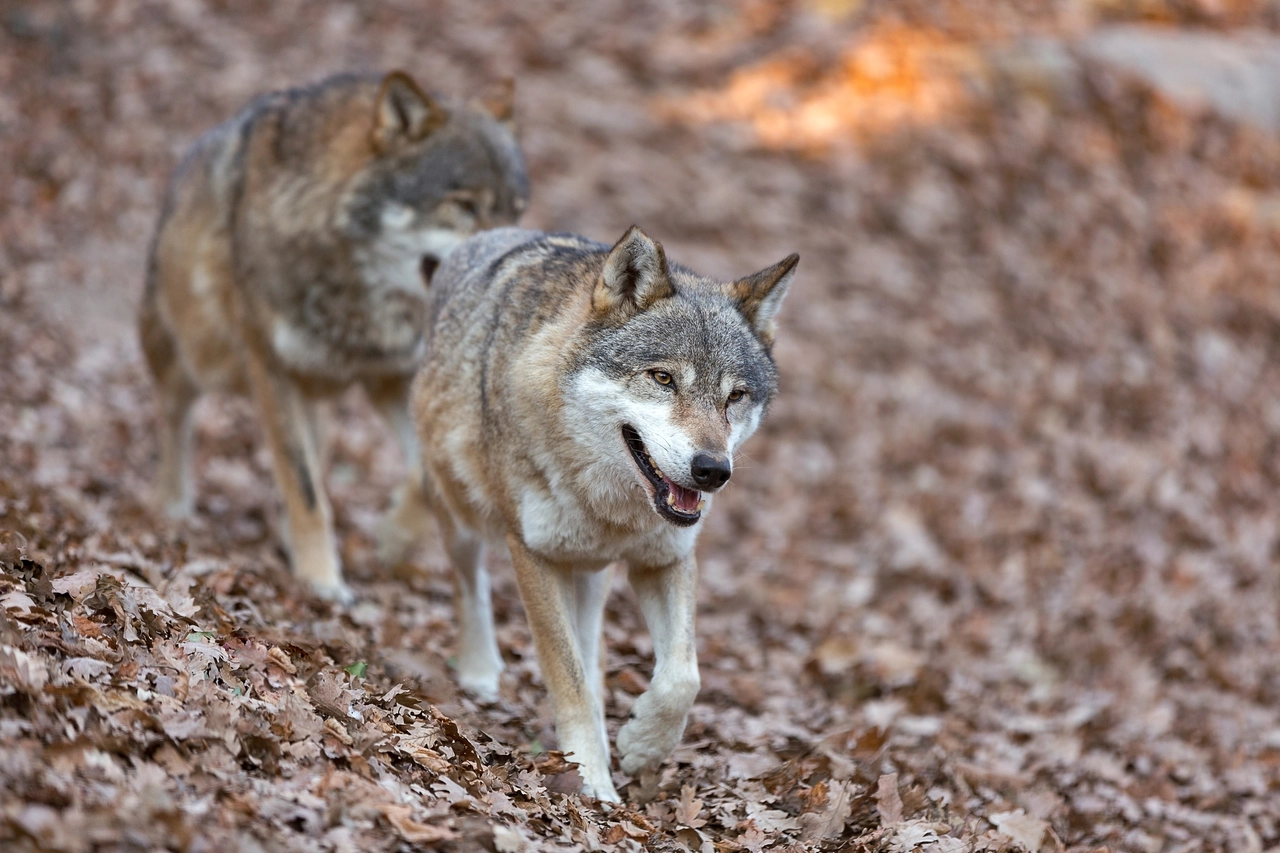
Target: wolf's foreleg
{"points": [[591, 591], [405, 522], [550, 599], [288, 422], [668, 599]]}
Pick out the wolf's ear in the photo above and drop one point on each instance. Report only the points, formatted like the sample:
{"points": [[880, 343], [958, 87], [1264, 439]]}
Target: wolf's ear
{"points": [[634, 277], [759, 296], [499, 101], [404, 112]]}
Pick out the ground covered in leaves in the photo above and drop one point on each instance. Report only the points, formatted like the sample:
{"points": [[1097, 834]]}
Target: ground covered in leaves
{"points": [[997, 574]]}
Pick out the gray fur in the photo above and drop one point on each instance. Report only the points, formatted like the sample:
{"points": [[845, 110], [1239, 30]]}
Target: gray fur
{"points": [[569, 397], [288, 263]]}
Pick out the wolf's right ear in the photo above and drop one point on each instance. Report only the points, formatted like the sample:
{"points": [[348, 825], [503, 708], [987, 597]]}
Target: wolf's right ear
{"points": [[404, 113], [759, 296], [499, 101], [634, 276]]}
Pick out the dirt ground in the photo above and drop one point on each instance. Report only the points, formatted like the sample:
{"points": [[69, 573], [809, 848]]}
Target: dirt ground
{"points": [[998, 573]]}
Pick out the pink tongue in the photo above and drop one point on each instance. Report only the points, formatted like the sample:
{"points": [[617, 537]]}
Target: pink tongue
{"points": [[686, 500]]}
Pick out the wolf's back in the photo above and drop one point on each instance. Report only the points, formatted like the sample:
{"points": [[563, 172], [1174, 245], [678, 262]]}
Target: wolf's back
{"points": [[471, 260], [507, 281]]}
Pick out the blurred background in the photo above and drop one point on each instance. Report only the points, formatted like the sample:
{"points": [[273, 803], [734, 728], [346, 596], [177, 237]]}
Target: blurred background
{"points": [[1008, 538]]}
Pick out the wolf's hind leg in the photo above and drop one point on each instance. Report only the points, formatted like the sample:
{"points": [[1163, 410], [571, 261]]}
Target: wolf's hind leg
{"points": [[176, 395], [405, 522], [550, 596], [289, 422], [668, 599]]}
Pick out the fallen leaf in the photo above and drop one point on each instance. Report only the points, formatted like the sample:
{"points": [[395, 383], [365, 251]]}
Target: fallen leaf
{"points": [[412, 831], [335, 728], [688, 809], [28, 672], [829, 823], [281, 659], [888, 800], [1024, 829], [508, 839]]}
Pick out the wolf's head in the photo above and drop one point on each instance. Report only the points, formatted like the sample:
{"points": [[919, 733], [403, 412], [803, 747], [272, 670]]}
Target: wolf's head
{"points": [[438, 174], [677, 373]]}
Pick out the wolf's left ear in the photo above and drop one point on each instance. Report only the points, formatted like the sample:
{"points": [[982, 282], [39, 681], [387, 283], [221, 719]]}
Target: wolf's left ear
{"points": [[404, 113], [634, 276], [499, 101], [759, 296]]}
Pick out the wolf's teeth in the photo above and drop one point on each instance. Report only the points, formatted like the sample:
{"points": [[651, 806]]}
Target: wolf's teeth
{"points": [[702, 505], [671, 499]]}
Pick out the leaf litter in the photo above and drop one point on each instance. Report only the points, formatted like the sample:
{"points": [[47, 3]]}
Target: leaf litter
{"points": [[997, 575]]}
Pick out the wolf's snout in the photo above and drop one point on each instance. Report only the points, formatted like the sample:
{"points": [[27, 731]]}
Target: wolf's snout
{"points": [[711, 470], [429, 265]]}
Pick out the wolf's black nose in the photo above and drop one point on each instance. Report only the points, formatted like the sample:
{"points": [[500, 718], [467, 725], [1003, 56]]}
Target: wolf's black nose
{"points": [[711, 470]]}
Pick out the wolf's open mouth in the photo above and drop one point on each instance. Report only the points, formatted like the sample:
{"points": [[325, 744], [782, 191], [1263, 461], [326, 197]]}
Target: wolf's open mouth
{"points": [[675, 503]]}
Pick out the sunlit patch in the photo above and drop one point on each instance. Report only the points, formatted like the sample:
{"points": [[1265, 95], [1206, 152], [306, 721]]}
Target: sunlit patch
{"points": [[890, 78]]}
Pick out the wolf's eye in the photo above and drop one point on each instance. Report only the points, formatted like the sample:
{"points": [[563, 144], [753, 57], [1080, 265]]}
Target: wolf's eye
{"points": [[661, 377], [736, 394]]}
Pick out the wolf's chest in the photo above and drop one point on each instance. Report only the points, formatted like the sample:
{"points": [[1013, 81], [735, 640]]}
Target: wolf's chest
{"points": [[561, 527], [375, 338]]}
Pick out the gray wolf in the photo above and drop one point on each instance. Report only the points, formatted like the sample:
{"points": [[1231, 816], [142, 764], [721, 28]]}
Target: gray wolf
{"points": [[291, 260], [582, 404]]}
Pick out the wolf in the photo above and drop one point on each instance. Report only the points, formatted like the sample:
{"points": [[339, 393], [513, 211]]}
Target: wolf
{"points": [[582, 404], [291, 260]]}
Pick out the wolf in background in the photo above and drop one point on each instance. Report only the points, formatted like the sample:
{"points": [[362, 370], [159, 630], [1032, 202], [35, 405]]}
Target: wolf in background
{"points": [[581, 404], [291, 261]]}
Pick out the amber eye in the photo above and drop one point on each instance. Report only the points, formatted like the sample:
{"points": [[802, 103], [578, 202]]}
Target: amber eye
{"points": [[661, 377], [736, 394]]}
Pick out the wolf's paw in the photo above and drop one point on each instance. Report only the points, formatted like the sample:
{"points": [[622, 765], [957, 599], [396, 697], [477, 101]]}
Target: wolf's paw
{"points": [[481, 685], [479, 670], [178, 509], [337, 592], [651, 735], [601, 790], [597, 781]]}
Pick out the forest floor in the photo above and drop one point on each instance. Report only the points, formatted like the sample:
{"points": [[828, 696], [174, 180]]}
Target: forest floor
{"points": [[1000, 573]]}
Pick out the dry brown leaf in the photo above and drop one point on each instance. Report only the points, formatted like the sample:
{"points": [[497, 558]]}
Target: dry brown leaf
{"points": [[829, 823], [1024, 829], [508, 839], [338, 730], [888, 800], [281, 659], [412, 831], [451, 793], [430, 759], [28, 672], [689, 808]]}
